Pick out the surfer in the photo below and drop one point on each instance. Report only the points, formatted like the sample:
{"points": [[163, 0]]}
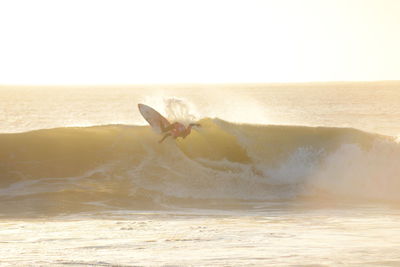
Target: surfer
{"points": [[161, 125], [176, 130]]}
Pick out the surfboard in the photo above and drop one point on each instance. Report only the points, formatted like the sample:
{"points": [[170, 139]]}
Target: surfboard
{"points": [[154, 118]]}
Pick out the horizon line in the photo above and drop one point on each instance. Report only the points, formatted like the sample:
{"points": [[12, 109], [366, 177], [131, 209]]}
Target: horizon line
{"points": [[190, 83]]}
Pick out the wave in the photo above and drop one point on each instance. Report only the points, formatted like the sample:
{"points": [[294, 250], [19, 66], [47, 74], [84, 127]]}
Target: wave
{"points": [[222, 163]]}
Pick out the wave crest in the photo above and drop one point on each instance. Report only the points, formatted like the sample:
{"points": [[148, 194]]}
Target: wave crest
{"points": [[118, 166]]}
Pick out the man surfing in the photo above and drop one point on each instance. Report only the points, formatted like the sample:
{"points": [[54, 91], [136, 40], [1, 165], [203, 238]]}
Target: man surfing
{"points": [[161, 125], [176, 130]]}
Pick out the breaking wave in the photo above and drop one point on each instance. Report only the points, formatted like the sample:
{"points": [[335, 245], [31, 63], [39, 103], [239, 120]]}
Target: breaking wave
{"points": [[222, 164]]}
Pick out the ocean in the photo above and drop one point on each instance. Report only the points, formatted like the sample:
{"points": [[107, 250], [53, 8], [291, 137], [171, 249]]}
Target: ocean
{"points": [[277, 175]]}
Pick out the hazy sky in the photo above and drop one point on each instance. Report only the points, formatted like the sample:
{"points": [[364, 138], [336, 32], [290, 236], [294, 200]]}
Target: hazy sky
{"points": [[170, 41]]}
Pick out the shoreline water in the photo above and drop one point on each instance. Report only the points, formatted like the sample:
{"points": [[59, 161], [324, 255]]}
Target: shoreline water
{"points": [[326, 237]]}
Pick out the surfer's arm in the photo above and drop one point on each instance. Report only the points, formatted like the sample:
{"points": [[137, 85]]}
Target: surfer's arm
{"points": [[165, 136], [189, 129]]}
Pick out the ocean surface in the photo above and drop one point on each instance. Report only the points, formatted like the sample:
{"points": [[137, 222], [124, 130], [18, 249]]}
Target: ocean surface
{"points": [[277, 175]]}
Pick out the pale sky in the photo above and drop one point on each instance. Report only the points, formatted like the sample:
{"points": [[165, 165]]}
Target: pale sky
{"points": [[204, 41]]}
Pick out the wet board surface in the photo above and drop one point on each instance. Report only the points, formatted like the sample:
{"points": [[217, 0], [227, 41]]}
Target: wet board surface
{"points": [[153, 117]]}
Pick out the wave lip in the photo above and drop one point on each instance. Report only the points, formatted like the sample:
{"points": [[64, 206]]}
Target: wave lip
{"points": [[119, 166]]}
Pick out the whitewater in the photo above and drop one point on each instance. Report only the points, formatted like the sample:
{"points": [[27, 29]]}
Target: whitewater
{"points": [[277, 175]]}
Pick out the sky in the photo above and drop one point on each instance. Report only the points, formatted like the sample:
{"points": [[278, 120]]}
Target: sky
{"points": [[204, 41]]}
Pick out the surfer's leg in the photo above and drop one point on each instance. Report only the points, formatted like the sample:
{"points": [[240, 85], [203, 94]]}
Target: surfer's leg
{"points": [[165, 136]]}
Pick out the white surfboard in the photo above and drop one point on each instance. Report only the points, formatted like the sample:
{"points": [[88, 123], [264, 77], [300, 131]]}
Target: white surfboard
{"points": [[155, 119]]}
